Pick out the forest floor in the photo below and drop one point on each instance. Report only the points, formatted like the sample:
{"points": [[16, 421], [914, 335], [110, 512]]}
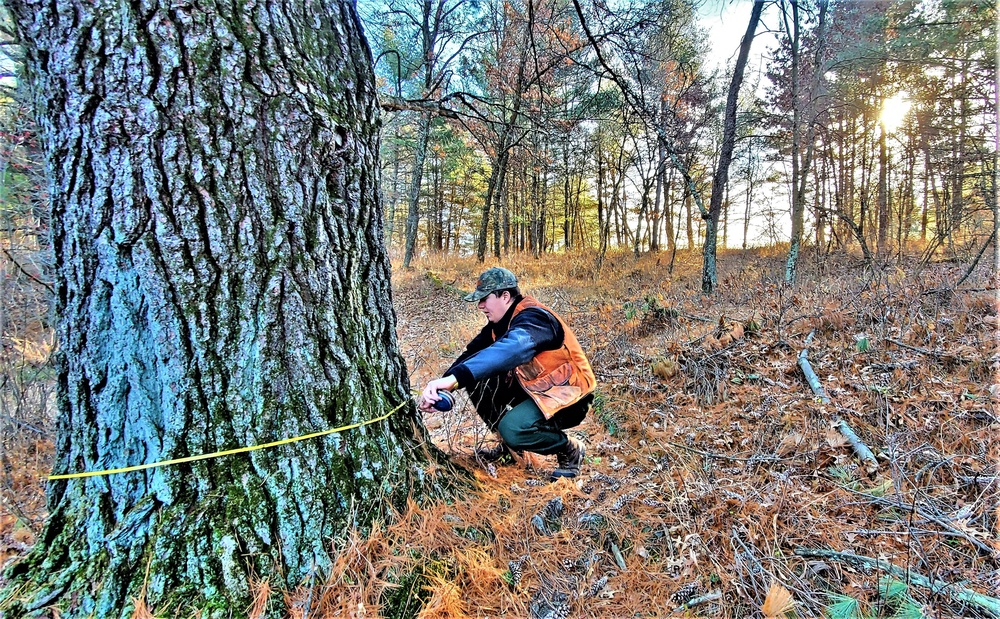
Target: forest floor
{"points": [[716, 483]]}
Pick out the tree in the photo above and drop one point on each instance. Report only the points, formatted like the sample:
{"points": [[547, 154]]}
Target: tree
{"points": [[529, 42], [721, 176], [804, 115], [614, 45], [437, 25], [221, 282]]}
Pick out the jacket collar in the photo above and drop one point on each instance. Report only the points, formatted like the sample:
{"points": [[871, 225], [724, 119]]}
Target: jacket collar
{"points": [[500, 327]]}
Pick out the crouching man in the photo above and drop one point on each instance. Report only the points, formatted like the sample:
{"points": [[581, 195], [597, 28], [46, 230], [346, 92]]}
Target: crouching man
{"points": [[526, 374]]}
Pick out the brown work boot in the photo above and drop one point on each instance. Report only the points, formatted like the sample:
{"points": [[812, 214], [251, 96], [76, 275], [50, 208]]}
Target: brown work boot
{"points": [[499, 454], [569, 459]]}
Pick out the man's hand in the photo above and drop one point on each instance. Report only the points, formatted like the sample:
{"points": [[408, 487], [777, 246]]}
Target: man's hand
{"points": [[430, 393]]}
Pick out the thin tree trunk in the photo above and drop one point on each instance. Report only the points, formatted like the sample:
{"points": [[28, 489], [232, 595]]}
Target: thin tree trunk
{"points": [[643, 209], [437, 199], [883, 198], [958, 162], [567, 233], [395, 199], [746, 206], [602, 217], [543, 201], [689, 220], [416, 178], [484, 224], [927, 180], [709, 277], [800, 168], [577, 225], [668, 213], [659, 198]]}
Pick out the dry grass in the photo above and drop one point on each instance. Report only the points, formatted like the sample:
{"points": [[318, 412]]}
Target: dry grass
{"points": [[709, 460]]}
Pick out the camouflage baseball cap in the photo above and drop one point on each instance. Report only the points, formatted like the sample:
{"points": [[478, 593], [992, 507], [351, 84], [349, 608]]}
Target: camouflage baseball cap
{"points": [[492, 280]]}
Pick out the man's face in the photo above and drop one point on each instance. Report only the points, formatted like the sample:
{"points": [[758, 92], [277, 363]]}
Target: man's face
{"points": [[494, 306]]}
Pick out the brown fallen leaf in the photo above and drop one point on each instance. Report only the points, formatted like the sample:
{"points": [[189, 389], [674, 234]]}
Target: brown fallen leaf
{"points": [[737, 331], [789, 443], [778, 603]]}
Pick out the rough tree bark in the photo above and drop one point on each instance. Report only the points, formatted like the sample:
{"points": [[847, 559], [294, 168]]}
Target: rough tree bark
{"points": [[996, 166], [221, 282]]}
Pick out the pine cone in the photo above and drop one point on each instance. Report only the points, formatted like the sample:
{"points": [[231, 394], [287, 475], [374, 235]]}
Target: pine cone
{"points": [[686, 592], [516, 568], [598, 586], [622, 501], [554, 508]]}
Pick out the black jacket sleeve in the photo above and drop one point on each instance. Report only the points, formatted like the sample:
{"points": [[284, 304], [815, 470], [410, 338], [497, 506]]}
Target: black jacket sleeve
{"points": [[481, 341], [531, 331]]}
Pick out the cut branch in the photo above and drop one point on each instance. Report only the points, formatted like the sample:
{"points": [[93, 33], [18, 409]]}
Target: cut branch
{"points": [[941, 521], [810, 375], [708, 454], [398, 104], [930, 353], [862, 450], [711, 596], [983, 602]]}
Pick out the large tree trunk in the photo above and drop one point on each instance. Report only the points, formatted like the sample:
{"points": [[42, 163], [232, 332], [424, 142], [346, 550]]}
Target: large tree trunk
{"points": [[994, 206], [221, 282]]}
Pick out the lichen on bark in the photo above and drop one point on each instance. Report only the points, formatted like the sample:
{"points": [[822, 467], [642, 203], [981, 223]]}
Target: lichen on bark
{"points": [[221, 282]]}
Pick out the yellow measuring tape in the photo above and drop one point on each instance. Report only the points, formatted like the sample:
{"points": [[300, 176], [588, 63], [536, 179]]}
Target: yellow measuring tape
{"points": [[229, 452]]}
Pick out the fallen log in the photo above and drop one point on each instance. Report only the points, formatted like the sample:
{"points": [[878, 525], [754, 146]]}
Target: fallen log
{"points": [[983, 602], [810, 375], [859, 447]]}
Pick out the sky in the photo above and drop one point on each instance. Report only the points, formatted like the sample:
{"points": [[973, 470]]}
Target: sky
{"points": [[726, 21]]}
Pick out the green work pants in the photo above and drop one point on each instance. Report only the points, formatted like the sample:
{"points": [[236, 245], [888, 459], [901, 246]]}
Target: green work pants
{"points": [[524, 428]]}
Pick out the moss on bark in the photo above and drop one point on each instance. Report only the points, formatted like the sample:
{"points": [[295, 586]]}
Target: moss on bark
{"points": [[221, 283]]}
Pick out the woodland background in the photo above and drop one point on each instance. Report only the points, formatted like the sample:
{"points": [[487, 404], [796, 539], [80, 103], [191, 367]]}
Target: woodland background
{"points": [[713, 467], [874, 122]]}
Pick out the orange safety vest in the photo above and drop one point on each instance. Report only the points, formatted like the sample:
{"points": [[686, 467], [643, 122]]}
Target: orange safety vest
{"points": [[555, 379]]}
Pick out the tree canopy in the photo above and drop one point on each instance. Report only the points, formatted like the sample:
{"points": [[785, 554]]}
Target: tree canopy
{"points": [[828, 171]]}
